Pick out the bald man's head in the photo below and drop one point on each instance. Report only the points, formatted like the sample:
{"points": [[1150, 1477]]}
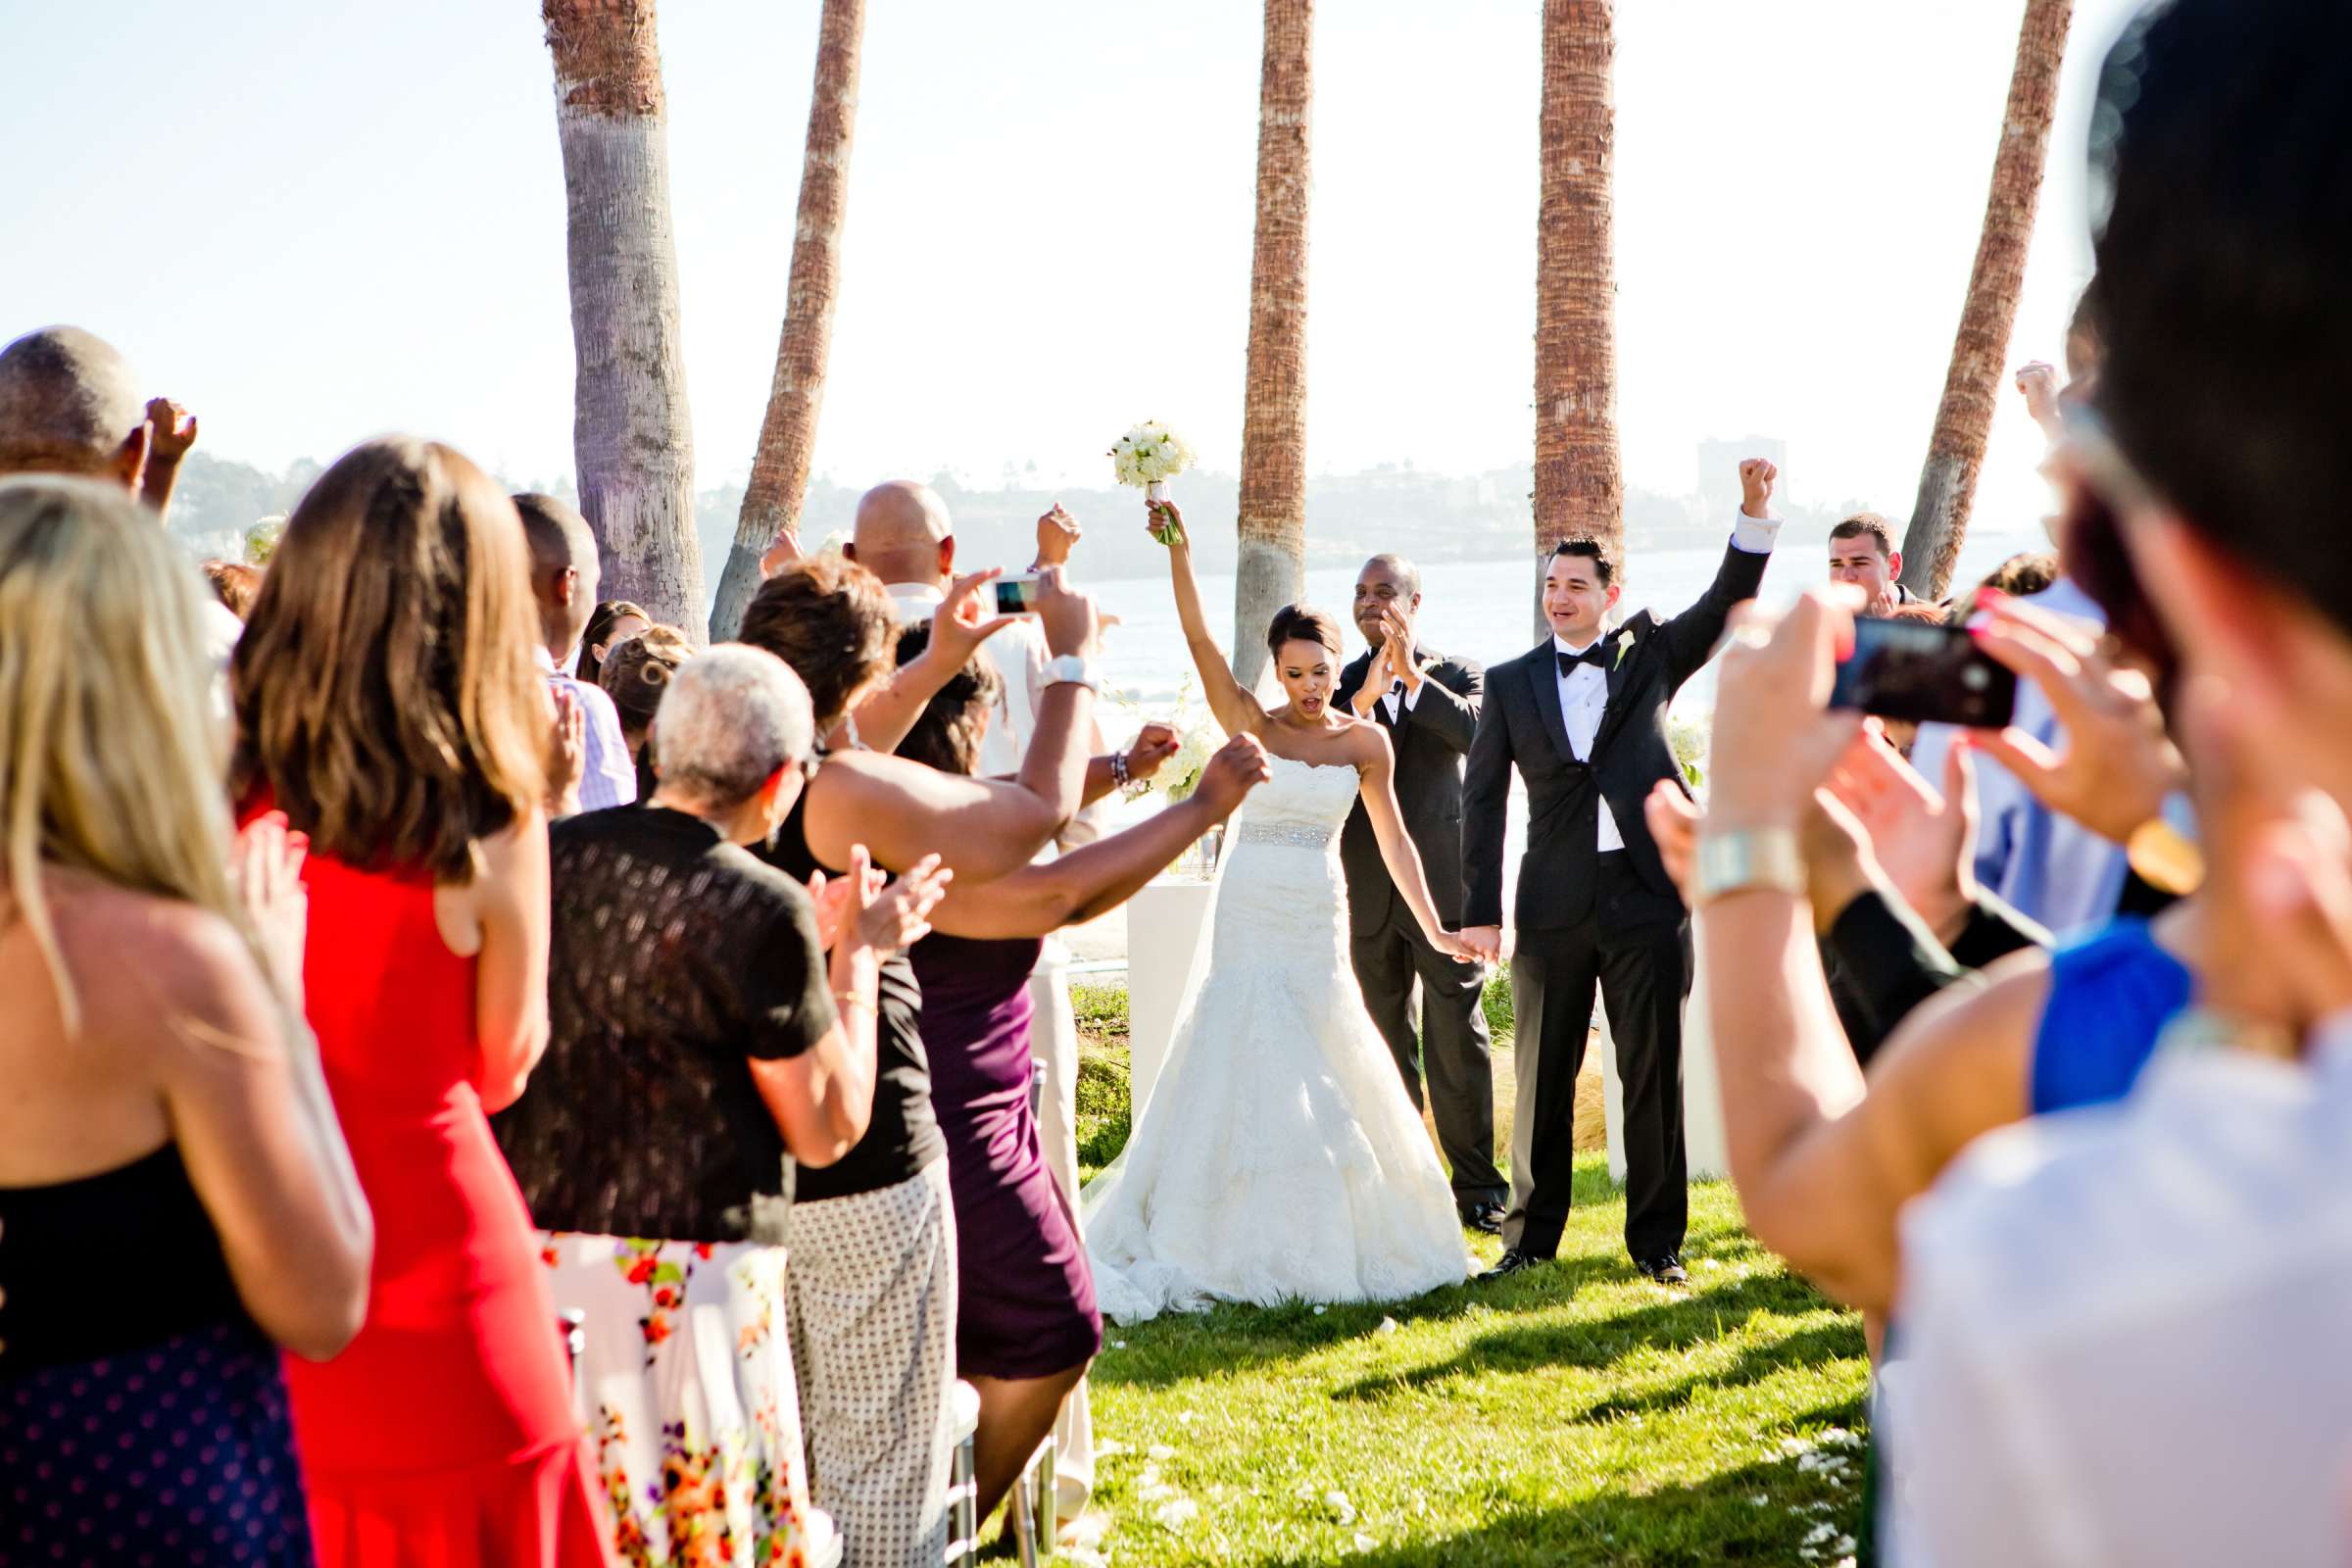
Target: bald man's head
{"points": [[69, 404], [905, 535], [565, 570]]}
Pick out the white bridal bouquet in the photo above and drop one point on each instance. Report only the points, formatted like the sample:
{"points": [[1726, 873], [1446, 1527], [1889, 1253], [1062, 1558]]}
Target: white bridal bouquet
{"points": [[1148, 457]]}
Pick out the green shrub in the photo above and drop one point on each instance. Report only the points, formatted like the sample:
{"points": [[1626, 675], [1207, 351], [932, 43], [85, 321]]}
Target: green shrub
{"points": [[1102, 1010], [1106, 1106], [1495, 1001]]}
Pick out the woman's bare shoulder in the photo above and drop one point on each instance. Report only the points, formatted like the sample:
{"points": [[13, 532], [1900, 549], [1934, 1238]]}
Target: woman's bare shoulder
{"points": [[138, 959], [1359, 740]]}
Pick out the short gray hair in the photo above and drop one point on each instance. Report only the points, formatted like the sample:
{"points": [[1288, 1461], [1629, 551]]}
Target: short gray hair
{"points": [[731, 717], [68, 401]]}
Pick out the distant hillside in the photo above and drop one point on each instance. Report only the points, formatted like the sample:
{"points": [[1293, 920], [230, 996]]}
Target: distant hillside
{"points": [[1429, 517]]}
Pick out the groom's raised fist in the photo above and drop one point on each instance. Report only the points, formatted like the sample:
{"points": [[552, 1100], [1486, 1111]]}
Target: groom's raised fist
{"points": [[1757, 477]]}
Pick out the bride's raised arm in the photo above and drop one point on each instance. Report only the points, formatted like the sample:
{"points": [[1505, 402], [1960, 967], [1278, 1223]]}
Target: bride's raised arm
{"points": [[1236, 711], [1376, 764]]}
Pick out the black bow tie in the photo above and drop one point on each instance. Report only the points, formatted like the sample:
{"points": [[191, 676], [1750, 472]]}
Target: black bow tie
{"points": [[1591, 655]]}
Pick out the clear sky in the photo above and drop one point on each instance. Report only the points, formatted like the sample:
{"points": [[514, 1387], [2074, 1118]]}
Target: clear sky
{"points": [[313, 221]]}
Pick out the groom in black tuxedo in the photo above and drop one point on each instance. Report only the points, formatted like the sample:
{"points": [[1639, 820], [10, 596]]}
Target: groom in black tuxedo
{"points": [[1583, 719], [1428, 704]]}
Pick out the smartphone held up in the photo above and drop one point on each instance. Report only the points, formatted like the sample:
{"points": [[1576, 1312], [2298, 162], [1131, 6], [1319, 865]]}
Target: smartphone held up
{"points": [[1017, 595], [1925, 673]]}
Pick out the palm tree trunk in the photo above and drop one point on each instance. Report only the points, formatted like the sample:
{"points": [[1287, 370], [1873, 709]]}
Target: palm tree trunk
{"points": [[631, 438], [1273, 500], [779, 483], [1580, 484], [1948, 483]]}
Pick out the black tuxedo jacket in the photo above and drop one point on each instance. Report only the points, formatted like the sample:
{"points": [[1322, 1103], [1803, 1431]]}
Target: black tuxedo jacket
{"points": [[1522, 727], [1430, 739]]}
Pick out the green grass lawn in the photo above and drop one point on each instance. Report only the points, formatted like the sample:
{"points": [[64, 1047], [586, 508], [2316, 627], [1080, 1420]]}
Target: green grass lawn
{"points": [[1576, 1415]]}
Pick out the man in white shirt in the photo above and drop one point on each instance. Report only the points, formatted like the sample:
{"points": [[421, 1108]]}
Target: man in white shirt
{"points": [[564, 573], [905, 537], [1582, 718]]}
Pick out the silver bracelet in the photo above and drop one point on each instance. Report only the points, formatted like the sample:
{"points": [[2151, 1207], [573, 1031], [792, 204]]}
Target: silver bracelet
{"points": [[1118, 770]]}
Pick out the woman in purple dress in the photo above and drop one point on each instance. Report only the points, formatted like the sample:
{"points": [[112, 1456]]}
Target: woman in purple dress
{"points": [[1026, 1324]]}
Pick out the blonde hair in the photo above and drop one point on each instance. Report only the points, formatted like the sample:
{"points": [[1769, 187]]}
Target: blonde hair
{"points": [[110, 758], [387, 699]]}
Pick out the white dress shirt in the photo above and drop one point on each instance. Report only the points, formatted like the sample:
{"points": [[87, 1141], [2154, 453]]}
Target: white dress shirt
{"points": [[222, 629], [1584, 699], [1584, 690], [2123, 1338], [1019, 654], [609, 774], [1397, 701]]}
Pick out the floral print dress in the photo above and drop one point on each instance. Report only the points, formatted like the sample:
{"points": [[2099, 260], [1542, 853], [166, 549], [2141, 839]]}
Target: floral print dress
{"points": [[685, 1379]]}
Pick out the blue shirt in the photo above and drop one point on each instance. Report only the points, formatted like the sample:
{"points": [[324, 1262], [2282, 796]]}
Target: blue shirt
{"points": [[2111, 995], [2047, 867]]}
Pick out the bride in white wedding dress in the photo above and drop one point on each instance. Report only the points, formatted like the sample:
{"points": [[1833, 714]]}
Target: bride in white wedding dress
{"points": [[1278, 1156]]}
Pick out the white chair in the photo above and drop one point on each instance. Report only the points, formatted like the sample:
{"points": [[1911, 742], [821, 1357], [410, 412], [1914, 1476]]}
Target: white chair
{"points": [[1029, 1512], [1031, 1508], [964, 1487]]}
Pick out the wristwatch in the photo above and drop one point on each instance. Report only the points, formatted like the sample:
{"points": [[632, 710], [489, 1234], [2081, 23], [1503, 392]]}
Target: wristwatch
{"points": [[1733, 863], [1072, 669]]}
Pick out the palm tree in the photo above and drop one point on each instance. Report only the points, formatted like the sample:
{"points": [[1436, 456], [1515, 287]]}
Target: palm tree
{"points": [[631, 438], [1948, 483], [1580, 486], [779, 483], [1273, 500]]}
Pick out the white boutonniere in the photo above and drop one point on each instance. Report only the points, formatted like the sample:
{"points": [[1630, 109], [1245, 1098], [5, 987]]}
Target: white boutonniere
{"points": [[1625, 646]]}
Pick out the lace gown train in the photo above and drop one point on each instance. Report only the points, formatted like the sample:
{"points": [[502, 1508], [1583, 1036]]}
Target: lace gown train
{"points": [[1278, 1156]]}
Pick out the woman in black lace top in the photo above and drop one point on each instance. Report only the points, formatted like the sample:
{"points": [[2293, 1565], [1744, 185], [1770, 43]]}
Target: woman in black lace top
{"points": [[698, 1035]]}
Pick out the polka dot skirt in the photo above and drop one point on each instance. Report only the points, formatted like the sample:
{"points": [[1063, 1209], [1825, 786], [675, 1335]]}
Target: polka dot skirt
{"points": [[178, 1454]]}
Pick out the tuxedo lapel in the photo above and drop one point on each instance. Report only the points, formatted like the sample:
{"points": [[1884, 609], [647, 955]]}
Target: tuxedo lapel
{"points": [[1544, 674], [1620, 672]]}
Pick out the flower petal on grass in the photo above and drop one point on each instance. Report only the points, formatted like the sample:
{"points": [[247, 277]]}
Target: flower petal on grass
{"points": [[1175, 1514]]}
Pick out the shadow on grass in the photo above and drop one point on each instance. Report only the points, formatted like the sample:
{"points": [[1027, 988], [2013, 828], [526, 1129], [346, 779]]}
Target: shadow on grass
{"points": [[1826, 1342], [1714, 1521], [1681, 1323], [1183, 1347], [1234, 1339]]}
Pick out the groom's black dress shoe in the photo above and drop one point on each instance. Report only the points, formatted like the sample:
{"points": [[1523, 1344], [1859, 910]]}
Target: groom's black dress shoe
{"points": [[1666, 1271], [1511, 1262], [1486, 1217]]}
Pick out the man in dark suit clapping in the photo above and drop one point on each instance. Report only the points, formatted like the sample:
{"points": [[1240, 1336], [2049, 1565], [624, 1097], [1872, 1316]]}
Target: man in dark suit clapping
{"points": [[1583, 719], [1428, 704]]}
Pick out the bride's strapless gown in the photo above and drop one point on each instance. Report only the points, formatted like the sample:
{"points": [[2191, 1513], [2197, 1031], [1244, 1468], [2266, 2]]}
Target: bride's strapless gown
{"points": [[1277, 1157]]}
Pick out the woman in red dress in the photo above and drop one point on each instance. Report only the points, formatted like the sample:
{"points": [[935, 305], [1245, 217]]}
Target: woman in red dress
{"points": [[387, 703]]}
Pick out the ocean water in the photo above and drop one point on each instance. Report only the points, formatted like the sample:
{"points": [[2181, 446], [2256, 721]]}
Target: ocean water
{"points": [[1481, 609]]}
